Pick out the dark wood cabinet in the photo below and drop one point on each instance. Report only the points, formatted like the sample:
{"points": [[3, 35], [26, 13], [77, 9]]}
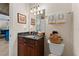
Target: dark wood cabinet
{"points": [[30, 47]]}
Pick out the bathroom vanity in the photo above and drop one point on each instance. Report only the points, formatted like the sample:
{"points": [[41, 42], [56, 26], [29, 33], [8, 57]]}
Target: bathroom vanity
{"points": [[30, 45]]}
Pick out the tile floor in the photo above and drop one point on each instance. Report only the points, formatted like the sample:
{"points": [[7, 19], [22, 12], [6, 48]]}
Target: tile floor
{"points": [[4, 47]]}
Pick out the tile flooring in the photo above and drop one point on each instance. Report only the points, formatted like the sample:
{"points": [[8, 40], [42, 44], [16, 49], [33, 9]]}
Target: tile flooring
{"points": [[4, 47]]}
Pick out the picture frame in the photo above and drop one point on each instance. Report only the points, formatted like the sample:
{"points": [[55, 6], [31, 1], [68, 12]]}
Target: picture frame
{"points": [[21, 18], [60, 19], [51, 19], [32, 21]]}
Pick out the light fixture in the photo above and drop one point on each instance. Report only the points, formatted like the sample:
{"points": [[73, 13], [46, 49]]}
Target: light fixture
{"points": [[36, 10], [41, 11], [34, 13], [31, 10]]}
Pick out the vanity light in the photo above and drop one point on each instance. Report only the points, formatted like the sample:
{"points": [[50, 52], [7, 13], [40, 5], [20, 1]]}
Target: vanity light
{"points": [[36, 10], [34, 13], [31, 10], [41, 11]]}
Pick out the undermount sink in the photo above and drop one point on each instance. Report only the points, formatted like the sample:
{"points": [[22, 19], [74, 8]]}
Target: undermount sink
{"points": [[35, 37], [30, 36]]}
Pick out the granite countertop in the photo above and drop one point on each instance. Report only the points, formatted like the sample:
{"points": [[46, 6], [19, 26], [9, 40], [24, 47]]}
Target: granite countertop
{"points": [[35, 37]]}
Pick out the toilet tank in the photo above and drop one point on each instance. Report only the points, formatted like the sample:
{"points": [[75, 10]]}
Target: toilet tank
{"points": [[56, 49]]}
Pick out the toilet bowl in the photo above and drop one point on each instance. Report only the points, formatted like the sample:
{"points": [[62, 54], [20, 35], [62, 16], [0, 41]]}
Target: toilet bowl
{"points": [[56, 49]]}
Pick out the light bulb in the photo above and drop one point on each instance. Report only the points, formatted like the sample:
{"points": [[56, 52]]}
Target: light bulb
{"points": [[38, 8], [34, 9], [38, 12], [34, 13], [31, 11], [41, 12]]}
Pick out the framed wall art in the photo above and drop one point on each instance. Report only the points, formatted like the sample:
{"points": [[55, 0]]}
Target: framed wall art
{"points": [[60, 18], [32, 21], [51, 19], [21, 18]]}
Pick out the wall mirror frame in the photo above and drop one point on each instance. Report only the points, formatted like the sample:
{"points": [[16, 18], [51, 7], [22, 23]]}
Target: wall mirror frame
{"points": [[21, 18]]}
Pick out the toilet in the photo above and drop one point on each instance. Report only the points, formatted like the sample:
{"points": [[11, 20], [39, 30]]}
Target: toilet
{"points": [[56, 49]]}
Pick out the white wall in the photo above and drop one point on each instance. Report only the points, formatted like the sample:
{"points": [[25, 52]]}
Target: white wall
{"points": [[15, 27], [75, 9], [64, 29]]}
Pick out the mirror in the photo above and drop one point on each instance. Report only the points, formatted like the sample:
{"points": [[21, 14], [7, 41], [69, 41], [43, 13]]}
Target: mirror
{"points": [[40, 22]]}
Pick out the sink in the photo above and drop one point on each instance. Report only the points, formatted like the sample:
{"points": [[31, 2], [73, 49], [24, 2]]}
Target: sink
{"points": [[30, 36]]}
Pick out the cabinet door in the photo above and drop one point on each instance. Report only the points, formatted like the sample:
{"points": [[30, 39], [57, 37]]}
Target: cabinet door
{"points": [[36, 51], [21, 49], [31, 51], [27, 50], [40, 45]]}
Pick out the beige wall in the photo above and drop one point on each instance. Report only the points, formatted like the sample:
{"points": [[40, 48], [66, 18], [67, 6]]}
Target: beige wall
{"points": [[75, 9], [15, 27]]}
